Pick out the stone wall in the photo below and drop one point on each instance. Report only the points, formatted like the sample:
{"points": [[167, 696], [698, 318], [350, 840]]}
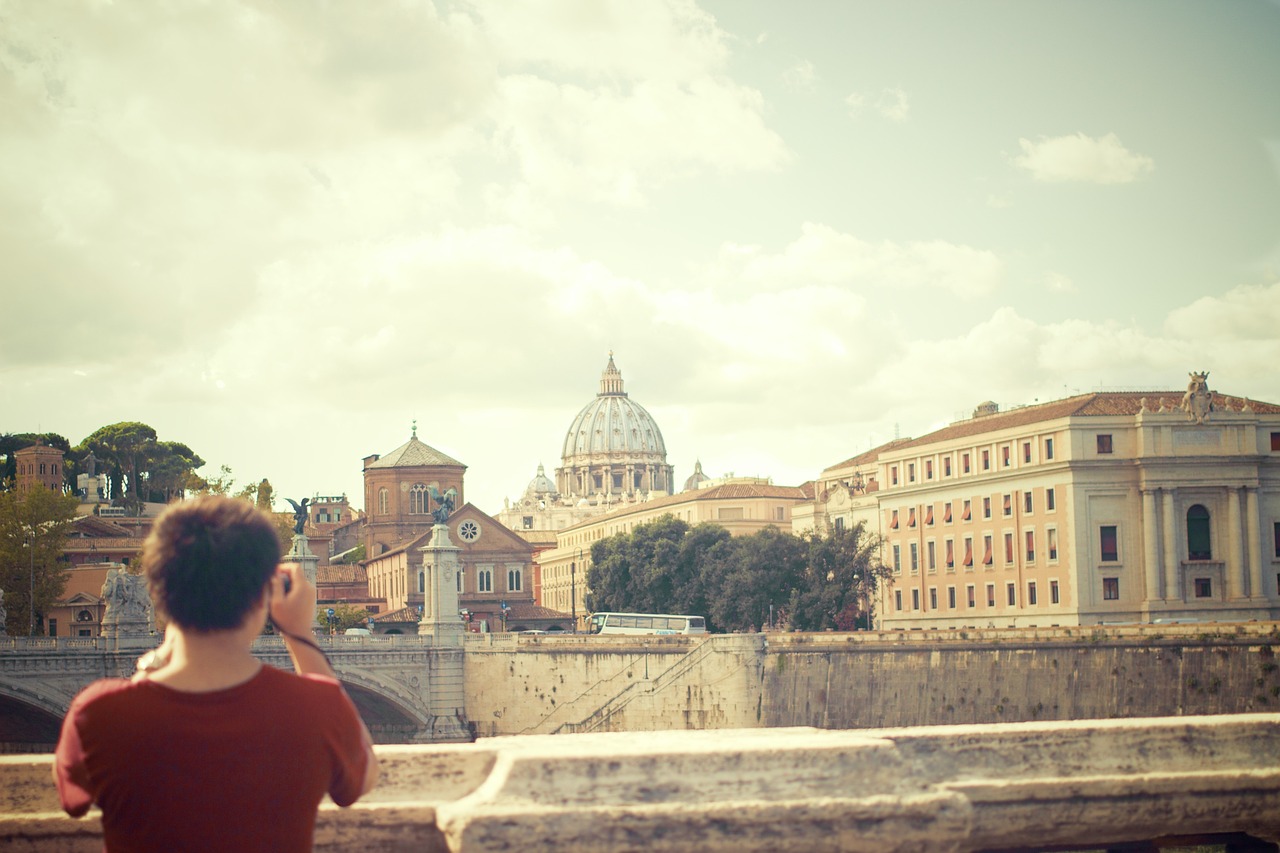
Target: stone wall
{"points": [[915, 679], [557, 685]]}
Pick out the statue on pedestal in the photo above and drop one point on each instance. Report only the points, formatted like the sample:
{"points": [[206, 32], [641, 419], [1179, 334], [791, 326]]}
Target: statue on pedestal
{"points": [[299, 513], [444, 504]]}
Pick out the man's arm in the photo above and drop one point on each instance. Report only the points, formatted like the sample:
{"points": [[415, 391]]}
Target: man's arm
{"points": [[292, 613]]}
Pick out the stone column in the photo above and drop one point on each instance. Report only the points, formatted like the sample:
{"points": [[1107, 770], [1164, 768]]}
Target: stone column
{"points": [[300, 553], [1254, 538], [1235, 555], [446, 699], [1172, 586], [440, 599], [1151, 545]]}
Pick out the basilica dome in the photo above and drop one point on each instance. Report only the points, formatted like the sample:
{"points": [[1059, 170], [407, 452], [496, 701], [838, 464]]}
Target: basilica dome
{"points": [[613, 446], [541, 485]]}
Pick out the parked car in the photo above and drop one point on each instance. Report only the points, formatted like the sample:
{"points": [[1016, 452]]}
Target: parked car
{"points": [[358, 632]]}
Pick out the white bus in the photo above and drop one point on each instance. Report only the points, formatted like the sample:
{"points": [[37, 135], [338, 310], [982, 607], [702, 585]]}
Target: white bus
{"points": [[646, 623]]}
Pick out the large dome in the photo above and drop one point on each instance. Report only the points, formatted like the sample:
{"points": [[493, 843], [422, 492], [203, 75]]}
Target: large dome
{"points": [[613, 423], [613, 445]]}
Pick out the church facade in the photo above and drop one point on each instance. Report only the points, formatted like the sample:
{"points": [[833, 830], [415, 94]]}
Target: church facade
{"points": [[495, 582]]}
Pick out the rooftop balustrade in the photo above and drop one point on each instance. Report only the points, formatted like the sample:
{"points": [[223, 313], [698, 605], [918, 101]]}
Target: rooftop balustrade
{"points": [[1017, 786]]}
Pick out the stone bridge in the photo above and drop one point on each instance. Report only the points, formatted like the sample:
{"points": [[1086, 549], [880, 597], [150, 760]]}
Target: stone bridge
{"points": [[1138, 785], [408, 690]]}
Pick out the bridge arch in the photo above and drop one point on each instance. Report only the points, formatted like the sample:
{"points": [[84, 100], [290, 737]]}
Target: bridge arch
{"points": [[29, 719]]}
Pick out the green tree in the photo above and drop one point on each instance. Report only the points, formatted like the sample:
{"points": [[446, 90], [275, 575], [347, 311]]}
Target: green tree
{"points": [[128, 448], [638, 570], [839, 585], [345, 616], [169, 469], [33, 530], [746, 575]]}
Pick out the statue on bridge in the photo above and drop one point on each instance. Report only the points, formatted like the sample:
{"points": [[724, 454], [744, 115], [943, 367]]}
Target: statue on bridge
{"points": [[444, 504], [299, 514], [129, 610]]}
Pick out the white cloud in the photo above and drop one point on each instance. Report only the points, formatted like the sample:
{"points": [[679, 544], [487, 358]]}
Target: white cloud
{"points": [[823, 255], [1246, 313], [1082, 158], [893, 105], [800, 76], [854, 102]]}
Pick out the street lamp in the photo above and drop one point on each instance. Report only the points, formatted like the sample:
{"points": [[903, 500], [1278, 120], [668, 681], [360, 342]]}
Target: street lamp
{"points": [[31, 596], [573, 592]]}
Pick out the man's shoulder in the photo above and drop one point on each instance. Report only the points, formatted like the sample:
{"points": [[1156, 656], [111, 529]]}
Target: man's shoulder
{"points": [[104, 690]]}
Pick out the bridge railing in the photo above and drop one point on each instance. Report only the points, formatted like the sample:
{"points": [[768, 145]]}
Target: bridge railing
{"points": [[1019, 786]]}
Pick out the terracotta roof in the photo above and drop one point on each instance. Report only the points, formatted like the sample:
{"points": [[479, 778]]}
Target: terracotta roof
{"points": [[404, 614], [414, 453], [869, 456], [1096, 404], [341, 574], [528, 610]]}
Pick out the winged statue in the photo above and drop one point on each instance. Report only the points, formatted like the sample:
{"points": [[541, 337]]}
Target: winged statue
{"points": [[444, 503], [299, 513]]}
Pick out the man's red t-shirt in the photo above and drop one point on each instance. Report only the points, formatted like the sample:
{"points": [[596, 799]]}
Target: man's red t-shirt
{"points": [[240, 769]]}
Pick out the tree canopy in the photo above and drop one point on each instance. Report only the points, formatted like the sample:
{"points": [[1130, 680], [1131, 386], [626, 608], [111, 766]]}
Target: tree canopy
{"points": [[809, 582], [33, 530]]}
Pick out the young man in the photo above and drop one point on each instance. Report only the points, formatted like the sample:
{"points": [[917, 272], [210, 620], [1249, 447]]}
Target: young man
{"points": [[207, 748]]}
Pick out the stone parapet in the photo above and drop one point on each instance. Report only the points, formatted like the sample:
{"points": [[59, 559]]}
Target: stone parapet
{"points": [[951, 788]]}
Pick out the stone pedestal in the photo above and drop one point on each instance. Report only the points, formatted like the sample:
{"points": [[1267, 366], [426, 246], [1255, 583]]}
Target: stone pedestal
{"points": [[440, 564], [441, 623], [300, 553]]}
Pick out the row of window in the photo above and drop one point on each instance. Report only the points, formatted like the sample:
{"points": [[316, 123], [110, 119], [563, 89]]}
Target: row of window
{"points": [[966, 509], [1104, 444], [966, 460], [1029, 541], [971, 592], [45, 468]]}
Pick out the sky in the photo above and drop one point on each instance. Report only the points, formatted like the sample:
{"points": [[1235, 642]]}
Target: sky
{"points": [[283, 232]]}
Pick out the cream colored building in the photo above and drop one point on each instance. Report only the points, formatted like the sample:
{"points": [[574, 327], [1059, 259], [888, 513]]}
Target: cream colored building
{"points": [[742, 506], [1100, 508]]}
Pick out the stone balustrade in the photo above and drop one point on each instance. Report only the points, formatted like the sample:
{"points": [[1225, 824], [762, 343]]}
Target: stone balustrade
{"points": [[1011, 786]]}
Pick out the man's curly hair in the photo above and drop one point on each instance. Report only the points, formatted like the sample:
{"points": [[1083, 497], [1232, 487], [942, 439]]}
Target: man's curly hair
{"points": [[207, 560]]}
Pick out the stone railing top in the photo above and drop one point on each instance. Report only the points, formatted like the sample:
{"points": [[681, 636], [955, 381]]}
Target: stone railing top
{"points": [[961, 788]]}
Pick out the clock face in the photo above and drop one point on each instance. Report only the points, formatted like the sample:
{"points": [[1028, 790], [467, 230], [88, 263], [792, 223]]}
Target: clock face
{"points": [[468, 531]]}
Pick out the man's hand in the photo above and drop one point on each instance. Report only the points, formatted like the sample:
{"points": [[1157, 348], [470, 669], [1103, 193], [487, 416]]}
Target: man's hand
{"points": [[295, 610]]}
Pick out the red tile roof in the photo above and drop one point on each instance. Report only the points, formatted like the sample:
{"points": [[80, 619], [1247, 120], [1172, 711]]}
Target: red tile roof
{"points": [[1096, 404]]}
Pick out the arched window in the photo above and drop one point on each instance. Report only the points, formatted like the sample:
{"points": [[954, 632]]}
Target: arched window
{"points": [[384, 499], [418, 500], [513, 580], [422, 581], [1199, 546], [459, 577]]}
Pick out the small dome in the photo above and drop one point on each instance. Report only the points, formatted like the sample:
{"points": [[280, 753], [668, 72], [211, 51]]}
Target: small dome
{"points": [[541, 485], [697, 478]]}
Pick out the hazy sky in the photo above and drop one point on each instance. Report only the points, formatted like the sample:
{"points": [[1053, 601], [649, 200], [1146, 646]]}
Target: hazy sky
{"points": [[279, 232]]}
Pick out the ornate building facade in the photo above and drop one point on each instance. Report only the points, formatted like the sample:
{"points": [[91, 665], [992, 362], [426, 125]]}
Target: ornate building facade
{"points": [[1100, 508]]}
